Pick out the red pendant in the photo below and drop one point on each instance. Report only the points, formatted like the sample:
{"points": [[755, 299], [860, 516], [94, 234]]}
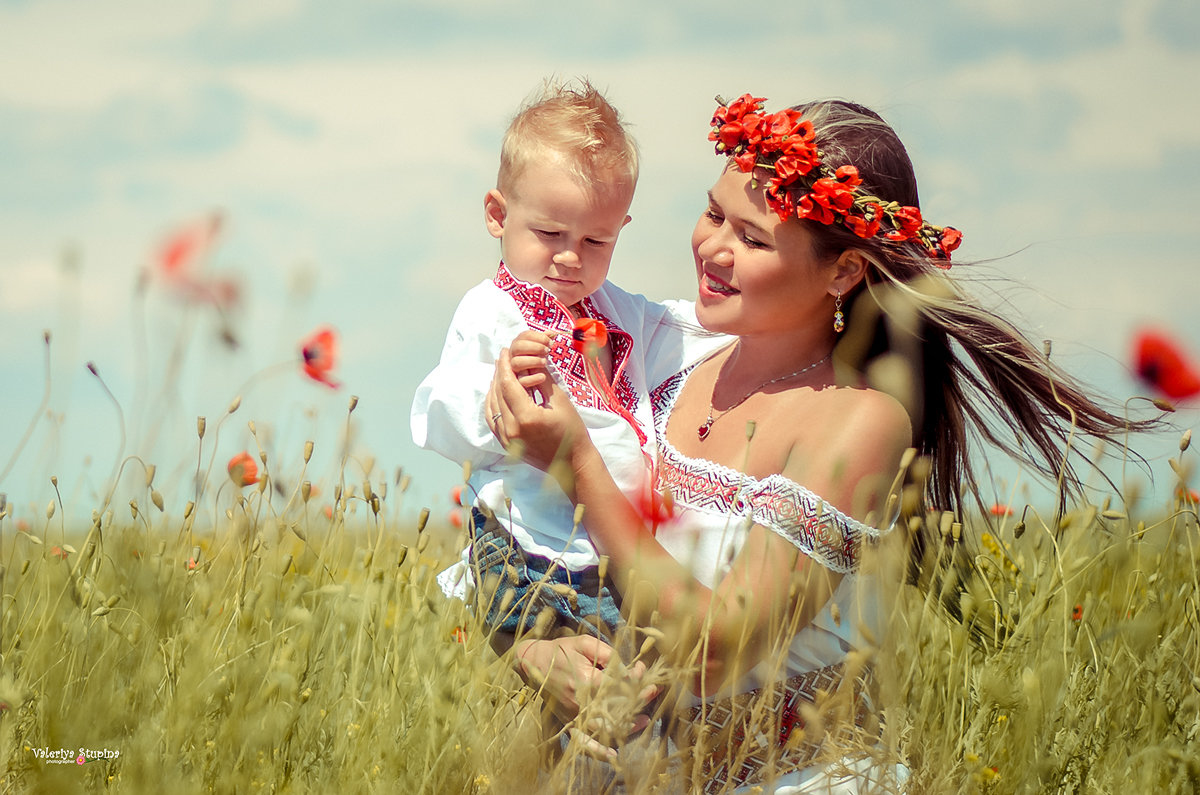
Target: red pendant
{"points": [[702, 431]]}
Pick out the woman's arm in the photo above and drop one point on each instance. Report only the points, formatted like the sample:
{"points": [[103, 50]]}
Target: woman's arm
{"points": [[771, 589]]}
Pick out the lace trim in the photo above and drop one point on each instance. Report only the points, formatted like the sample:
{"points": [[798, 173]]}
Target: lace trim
{"points": [[543, 312], [784, 507]]}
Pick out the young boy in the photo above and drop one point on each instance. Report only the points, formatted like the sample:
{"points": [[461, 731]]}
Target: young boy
{"points": [[568, 168]]}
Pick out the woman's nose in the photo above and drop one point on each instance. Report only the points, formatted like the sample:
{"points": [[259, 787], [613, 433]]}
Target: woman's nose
{"points": [[715, 249]]}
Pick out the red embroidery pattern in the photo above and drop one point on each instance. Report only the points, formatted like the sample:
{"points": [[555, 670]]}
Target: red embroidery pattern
{"points": [[788, 509], [543, 312]]}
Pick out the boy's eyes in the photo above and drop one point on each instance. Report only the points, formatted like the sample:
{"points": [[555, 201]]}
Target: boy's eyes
{"points": [[551, 234]]}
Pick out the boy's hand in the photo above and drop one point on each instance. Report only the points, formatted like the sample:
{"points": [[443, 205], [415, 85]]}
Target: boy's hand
{"points": [[529, 352]]}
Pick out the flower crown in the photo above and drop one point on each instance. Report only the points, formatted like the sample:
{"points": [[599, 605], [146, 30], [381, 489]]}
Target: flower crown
{"points": [[804, 187]]}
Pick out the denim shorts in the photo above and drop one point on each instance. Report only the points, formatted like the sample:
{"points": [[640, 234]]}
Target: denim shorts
{"points": [[502, 567]]}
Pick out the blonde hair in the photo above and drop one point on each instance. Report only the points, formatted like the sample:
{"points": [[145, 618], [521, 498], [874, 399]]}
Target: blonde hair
{"points": [[574, 121]]}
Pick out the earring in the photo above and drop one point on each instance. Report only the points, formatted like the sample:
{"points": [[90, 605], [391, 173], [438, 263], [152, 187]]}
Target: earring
{"points": [[839, 320]]}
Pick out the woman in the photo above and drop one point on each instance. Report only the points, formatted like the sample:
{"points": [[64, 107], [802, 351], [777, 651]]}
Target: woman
{"points": [[777, 452]]}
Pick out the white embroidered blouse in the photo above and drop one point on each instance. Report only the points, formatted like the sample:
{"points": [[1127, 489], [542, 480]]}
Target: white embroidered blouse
{"points": [[715, 508]]}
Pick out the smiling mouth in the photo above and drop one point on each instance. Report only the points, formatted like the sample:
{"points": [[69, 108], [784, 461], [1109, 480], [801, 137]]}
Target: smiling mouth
{"points": [[717, 286]]}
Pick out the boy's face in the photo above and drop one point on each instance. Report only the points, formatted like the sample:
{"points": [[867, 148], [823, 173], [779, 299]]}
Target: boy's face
{"points": [[555, 232]]}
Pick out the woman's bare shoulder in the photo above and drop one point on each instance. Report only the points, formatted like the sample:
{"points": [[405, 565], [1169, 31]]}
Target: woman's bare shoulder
{"points": [[852, 440]]}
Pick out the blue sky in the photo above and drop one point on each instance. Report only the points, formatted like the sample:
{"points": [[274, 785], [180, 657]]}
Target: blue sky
{"points": [[350, 149]]}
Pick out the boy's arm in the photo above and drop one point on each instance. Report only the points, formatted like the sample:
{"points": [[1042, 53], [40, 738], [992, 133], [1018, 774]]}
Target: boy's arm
{"points": [[448, 408]]}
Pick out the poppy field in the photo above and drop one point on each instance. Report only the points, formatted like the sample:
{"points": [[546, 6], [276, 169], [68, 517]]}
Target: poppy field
{"points": [[283, 650], [268, 629]]}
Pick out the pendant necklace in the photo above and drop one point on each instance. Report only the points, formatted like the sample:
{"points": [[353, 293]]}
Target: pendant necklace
{"points": [[702, 431]]}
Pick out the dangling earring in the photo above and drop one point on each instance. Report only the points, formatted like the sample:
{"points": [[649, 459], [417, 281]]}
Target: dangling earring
{"points": [[839, 320]]}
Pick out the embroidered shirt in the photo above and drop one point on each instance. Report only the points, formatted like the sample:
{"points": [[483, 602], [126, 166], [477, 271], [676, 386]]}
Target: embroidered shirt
{"points": [[651, 341]]}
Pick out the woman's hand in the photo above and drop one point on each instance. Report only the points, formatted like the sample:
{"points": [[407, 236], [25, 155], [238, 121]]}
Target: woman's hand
{"points": [[568, 672], [542, 421]]}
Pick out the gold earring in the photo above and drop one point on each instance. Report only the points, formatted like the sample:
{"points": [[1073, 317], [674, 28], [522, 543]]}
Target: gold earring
{"points": [[839, 320]]}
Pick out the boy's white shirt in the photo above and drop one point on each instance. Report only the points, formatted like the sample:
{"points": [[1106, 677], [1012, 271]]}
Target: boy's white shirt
{"points": [[448, 408]]}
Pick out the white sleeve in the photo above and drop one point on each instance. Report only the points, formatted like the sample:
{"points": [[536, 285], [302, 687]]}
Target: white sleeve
{"points": [[448, 407], [674, 340]]}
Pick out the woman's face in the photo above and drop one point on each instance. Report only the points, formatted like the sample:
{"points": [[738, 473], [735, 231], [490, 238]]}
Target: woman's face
{"points": [[757, 275]]}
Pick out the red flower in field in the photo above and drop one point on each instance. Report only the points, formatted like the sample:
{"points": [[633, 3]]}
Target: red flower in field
{"points": [[186, 246], [1077, 613], [327, 511], [655, 507], [243, 471], [320, 352], [456, 495], [191, 564], [22, 526], [455, 519], [1163, 365], [588, 335], [1188, 495], [58, 552], [459, 635], [1000, 510]]}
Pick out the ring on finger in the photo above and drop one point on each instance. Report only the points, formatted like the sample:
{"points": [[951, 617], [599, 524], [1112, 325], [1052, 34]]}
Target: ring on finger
{"points": [[496, 416]]}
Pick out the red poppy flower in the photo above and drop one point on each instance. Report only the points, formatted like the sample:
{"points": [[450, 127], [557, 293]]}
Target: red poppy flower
{"points": [[1163, 365], [455, 519], [655, 507], [950, 240], [1187, 495], [589, 335], [320, 352], [191, 564], [58, 552], [1000, 510], [456, 495], [459, 635], [865, 226], [184, 247], [1077, 613], [243, 470]]}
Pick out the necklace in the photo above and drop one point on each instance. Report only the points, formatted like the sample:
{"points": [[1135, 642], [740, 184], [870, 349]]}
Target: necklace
{"points": [[702, 431]]}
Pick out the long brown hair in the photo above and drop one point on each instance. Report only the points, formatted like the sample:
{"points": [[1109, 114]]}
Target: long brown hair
{"points": [[968, 375]]}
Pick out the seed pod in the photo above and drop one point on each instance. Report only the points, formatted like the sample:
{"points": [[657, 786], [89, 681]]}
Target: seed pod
{"points": [[233, 406], [308, 451], [187, 509], [157, 499], [200, 424], [422, 520], [150, 470], [305, 490], [133, 508], [1185, 441], [466, 471], [50, 509], [353, 403]]}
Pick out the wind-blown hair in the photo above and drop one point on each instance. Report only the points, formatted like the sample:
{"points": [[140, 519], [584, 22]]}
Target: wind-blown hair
{"points": [[964, 373], [575, 122]]}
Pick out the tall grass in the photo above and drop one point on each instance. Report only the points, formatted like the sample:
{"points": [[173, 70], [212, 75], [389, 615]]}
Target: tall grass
{"points": [[277, 648]]}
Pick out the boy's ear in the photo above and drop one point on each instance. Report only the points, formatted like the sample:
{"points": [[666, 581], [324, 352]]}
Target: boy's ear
{"points": [[628, 218], [495, 210]]}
